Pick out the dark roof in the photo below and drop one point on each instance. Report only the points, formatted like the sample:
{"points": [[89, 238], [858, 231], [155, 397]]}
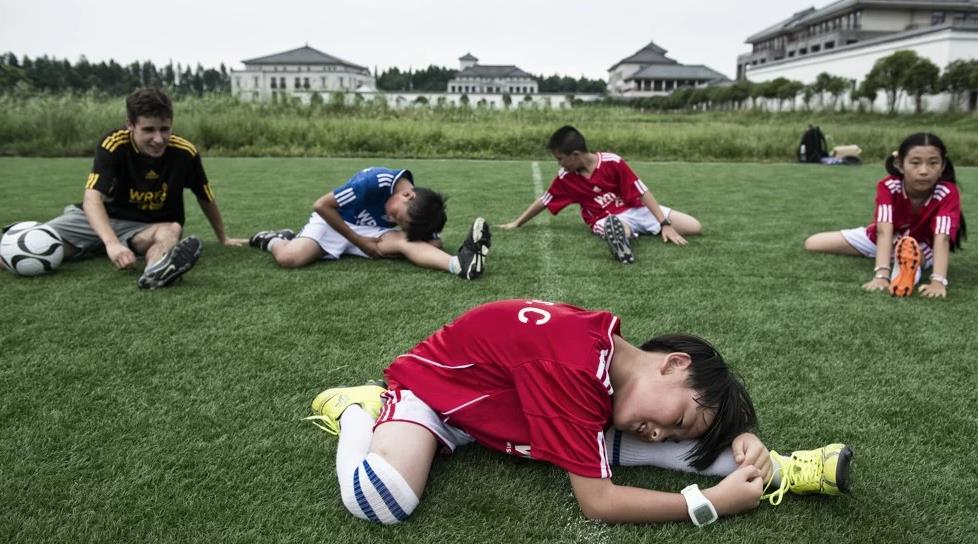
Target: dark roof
{"points": [[650, 54], [677, 71], [811, 15], [480, 70], [302, 55], [468, 56]]}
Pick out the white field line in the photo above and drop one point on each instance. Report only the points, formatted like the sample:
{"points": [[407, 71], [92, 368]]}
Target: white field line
{"points": [[549, 284]]}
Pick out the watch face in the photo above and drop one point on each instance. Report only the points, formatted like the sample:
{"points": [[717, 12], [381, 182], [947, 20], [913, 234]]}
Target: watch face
{"points": [[703, 514]]}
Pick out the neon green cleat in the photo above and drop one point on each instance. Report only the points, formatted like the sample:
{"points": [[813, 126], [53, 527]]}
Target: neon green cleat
{"points": [[328, 406], [823, 470]]}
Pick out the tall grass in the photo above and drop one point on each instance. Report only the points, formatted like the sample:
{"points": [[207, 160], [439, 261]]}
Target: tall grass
{"points": [[70, 126]]}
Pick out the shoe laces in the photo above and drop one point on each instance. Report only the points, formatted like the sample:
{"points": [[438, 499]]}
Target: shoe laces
{"points": [[327, 424], [794, 471]]}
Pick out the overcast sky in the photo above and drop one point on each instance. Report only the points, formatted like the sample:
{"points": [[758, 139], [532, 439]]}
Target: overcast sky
{"points": [[541, 37]]}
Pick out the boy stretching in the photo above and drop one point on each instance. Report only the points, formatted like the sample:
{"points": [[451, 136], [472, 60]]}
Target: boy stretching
{"points": [[614, 202], [559, 384], [378, 213]]}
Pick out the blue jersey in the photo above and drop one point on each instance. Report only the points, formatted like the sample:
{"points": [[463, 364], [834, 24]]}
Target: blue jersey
{"points": [[363, 196]]}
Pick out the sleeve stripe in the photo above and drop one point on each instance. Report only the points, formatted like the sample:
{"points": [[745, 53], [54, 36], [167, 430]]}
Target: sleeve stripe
{"points": [[183, 143], [545, 198], [345, 196], [603, 456], [884, 213], [92, 180], [208, 192], [112, 141], [943, 225], [642, 189], [188, 148]]}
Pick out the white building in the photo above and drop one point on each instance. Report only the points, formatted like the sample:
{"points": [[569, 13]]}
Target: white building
{"points": [[475, 78], [649, 72], [847, 37], [298, 73]]}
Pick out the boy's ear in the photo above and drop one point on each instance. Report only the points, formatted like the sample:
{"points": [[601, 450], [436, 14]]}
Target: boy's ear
{"points": [[676, 361]]}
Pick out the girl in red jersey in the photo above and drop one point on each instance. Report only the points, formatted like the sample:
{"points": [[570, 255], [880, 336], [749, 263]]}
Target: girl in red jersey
{"points": [[918, 212]]}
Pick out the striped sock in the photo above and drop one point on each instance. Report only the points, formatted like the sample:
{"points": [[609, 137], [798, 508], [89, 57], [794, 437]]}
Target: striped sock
{"points": [[380, 493]]}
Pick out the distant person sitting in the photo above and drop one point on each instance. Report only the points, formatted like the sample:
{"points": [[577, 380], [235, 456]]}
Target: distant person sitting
{"points": [[614, 202], [378, 213], [133, 201]]}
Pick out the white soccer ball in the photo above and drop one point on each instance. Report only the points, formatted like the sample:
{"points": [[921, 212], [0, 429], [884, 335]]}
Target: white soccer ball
{"points": [[30, 248]]}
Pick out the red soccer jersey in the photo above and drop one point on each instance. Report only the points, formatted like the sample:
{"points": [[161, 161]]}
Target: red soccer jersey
{"points": [[940, 214], [524, 377], [612, 188]]}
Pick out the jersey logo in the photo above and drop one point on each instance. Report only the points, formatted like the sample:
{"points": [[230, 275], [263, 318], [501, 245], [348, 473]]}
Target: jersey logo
{"points": [[607, 199], [151, 175], [522, 450], [148, 200], [596, 189], [364, 218]]}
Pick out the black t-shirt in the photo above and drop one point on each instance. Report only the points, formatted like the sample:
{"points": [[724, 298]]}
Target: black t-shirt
{"points": [[142, 188]]}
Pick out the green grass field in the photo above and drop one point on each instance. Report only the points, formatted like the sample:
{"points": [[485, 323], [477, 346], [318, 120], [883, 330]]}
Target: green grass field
{"points": [[175, 415]]}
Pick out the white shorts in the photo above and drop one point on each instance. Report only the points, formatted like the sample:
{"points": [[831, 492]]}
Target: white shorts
{"points": [[334, 244], [858, 239], [403, 405], [640, 220]]}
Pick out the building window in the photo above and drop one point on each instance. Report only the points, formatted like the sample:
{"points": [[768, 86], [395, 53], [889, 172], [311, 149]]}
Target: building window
{"points": [[937, 18], [322, 83], [298, 84], [305, 83], [858, 20], [274, 86], [341, 83], [816, 48], [658, 85], [829, 45], [281, 82], [803, 51], [256, 82]]}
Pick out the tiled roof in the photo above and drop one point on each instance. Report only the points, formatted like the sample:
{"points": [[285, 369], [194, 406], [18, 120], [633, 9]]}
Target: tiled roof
{"points": [[302, 55]]}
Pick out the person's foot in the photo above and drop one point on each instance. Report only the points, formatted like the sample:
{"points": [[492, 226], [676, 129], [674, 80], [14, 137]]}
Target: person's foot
{"points": [[614, 234], [823, 470], [908, 264], [472, 253], [328, 406], [261, 239], [176, 262]]}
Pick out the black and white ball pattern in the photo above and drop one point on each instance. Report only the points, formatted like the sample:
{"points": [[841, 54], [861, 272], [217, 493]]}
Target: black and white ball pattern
{"points": [[30, 248]]}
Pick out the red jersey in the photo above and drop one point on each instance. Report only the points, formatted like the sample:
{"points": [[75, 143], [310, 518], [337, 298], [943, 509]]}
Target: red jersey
{"points": [[524, 377], [940, 214], [612, 188]]}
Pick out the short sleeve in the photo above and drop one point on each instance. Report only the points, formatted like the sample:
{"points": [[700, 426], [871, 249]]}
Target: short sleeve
{"points": [[948, 218], [556, 197], [102, 176], [630, 186], [884, 200], [198, 180]]}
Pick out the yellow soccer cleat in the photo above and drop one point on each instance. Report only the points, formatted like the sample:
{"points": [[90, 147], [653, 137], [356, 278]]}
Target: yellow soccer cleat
{"points": [[328, 406], [823, 470]]}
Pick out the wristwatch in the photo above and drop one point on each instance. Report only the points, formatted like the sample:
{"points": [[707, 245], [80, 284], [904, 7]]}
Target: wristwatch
{"points": [[701, 510], [665, 221], [939, 279]]}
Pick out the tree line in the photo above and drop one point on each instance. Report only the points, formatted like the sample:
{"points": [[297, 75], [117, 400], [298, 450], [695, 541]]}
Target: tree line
{"points": [[903, 73], [46, 74]]}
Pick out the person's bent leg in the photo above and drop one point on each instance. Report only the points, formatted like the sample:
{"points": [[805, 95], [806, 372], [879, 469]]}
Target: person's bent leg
{"points": [[295, 253], [382, 473], [155, 240], [685, 224], [831, 242]]}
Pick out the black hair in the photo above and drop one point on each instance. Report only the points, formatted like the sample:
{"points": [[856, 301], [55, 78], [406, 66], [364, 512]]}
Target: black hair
{"points": [[567, 140], [717, 388], [426, 215], [928, 139], [148, 102]]}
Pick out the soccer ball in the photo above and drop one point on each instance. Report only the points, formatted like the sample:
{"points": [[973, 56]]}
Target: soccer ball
{"points": [[30, 248]]}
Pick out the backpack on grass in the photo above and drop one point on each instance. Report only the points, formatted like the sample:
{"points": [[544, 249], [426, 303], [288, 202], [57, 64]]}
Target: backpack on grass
{"points": [[812, 147]]}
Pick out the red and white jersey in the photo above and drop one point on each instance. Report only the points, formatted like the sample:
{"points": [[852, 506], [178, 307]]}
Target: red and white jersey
{"points": [[940, 214], [523, 377], [612, 188]]}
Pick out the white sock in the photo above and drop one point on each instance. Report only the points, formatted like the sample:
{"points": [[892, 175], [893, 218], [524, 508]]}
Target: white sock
{"points": [[274, 242], [627, 450], [356, 432], [454, 266]]}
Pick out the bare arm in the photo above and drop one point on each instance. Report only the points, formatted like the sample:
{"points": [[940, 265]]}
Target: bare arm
{"points": [[329, 209], [942, 257], [600, 499], [535, 208], [98, 218], [668, 233], [213, 214], [884, 258]]}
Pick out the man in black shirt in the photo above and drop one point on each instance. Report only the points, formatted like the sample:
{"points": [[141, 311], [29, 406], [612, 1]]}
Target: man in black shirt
{"points": [[133, 203]]}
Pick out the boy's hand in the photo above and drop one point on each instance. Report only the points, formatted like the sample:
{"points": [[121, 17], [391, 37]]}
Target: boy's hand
{"points": [[370, 246], [749, 450], [877, 284], [508, 226], [740, 491], [933, 289], [235, 242], [120, 255], [669, 234]]}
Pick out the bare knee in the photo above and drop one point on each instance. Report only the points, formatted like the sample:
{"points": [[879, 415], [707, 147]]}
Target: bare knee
{"points": [[169, 232], [290, 260]]}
